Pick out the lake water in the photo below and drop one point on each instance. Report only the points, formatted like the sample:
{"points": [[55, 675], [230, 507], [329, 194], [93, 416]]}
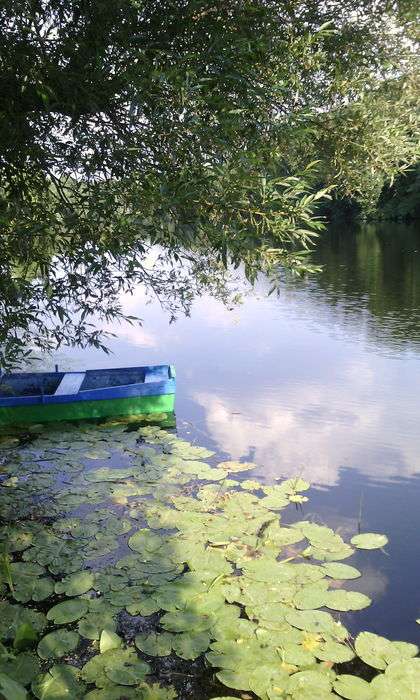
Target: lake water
{"points": [[321, 381]]}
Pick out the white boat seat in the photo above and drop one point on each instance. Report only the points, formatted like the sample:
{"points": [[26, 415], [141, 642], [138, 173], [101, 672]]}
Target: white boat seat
{"points": [[70, 383]]}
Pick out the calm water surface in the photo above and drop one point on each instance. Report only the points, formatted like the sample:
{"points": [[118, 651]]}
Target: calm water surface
{"points": [[323, 381]]}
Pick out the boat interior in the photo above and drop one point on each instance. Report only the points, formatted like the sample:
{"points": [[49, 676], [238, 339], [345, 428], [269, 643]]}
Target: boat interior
{"points": [[30, 383], [38, 383]]}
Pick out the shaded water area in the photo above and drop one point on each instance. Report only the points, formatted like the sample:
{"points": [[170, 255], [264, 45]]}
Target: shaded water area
{"points": [[324, 381], [320, 382]]}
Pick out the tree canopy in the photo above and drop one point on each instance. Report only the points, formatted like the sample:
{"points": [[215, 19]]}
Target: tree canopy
{"points": [[205, 131]]}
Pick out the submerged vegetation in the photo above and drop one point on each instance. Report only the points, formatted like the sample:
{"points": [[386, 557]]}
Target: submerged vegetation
{"points": [[138, 566]]}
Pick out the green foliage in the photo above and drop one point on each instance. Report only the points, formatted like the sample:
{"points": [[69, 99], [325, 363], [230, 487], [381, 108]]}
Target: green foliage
{"points": [[10, 689], [401, 200], [195, 130], [61, 681]]}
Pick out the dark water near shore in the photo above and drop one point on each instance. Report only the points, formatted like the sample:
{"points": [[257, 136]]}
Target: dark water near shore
{"points": [[321, 381]]}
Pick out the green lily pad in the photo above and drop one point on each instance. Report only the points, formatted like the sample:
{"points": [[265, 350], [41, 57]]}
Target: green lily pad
{"points": [[340, 571], [57, 644], [239, 680], [97, 454], [296, 655], [145, 541], [16, 539], [156, 692], [37, 589], [10, 689], [235, 467], [346, 600], [264, 679], [109, 640], [76, 584], [25, 637], [23, 569], [400, 680], [108, 474], [128, 671], [186, 621], [94, 670], [92, 625], [68, 611], [250, 484], [369, 540], [312, 681], [336, 652], [298, 498], [353, 688], [316, 621], [311, 597], [379, 652], [21, 668], [189, 645], [114, 692], [120, 666], [61, 681], [154, 644], [13, 616], [143, 691]]}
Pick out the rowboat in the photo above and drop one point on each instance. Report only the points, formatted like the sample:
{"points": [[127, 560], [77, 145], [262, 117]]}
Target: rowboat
{"points": [[41, 397]]}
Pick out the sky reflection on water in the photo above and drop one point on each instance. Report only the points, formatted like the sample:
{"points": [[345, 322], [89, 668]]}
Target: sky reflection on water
{"points": [[309, 381]]}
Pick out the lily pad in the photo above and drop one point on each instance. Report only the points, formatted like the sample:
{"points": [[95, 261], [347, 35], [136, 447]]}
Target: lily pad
{"points": [[346, 600], [109, 640], [379, 652], [309, 681], [189, 645], [340, 571], [318, 622], [369, 540], [311, 597], [21, 668], [32, 588], [92, 625], [13, 616], [114, 692], [68, 611], [10, 689], [235, 467], [76, 584], [186, 621], [57, 644], [61, 681], [336, 652], [353, 688], [154, 644], [128, 671]]}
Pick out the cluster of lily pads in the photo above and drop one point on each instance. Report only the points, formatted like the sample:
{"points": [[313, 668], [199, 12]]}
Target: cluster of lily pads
{"points": [[113, 528]]}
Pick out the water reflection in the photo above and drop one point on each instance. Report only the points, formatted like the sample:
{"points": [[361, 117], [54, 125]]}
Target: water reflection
{"points": [[323, 376], [372, 278]]}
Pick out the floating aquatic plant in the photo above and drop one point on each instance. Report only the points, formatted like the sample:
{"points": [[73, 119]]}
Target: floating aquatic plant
{"points": [[199, 553]]}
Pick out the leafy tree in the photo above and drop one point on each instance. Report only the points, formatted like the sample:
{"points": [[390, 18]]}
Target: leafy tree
{"points": [[198, 129], [401, 200]]}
